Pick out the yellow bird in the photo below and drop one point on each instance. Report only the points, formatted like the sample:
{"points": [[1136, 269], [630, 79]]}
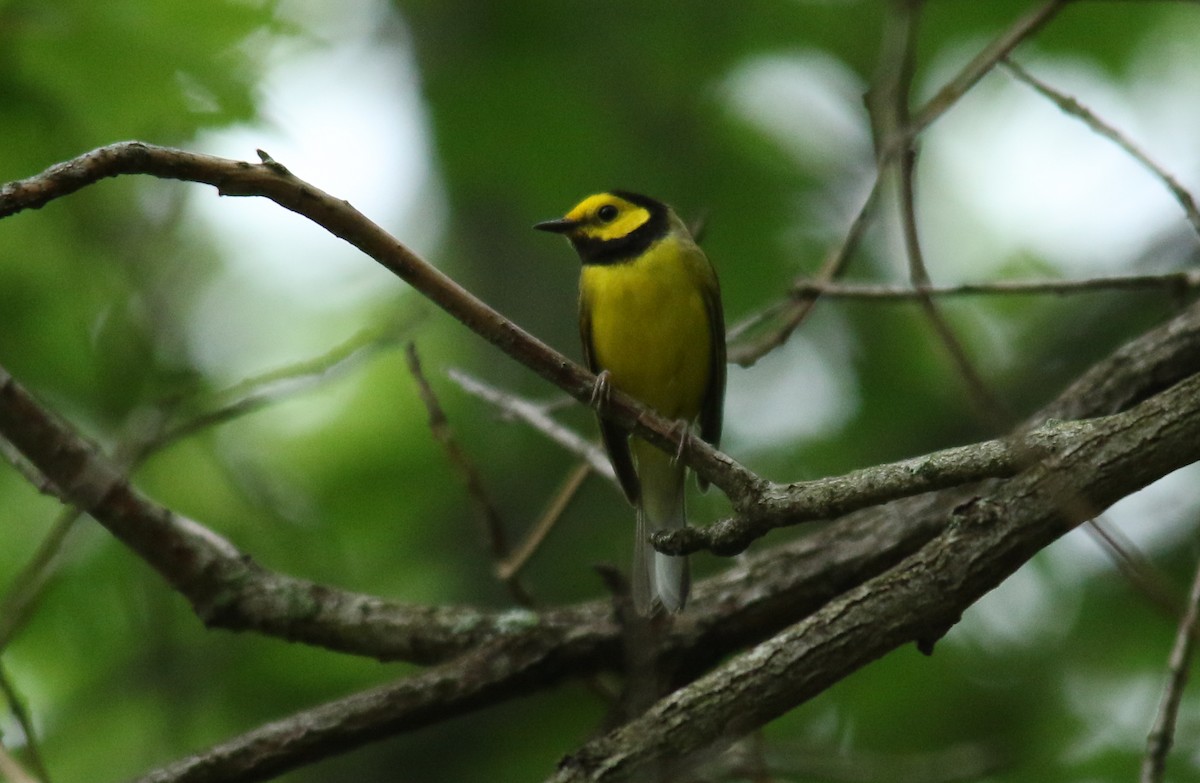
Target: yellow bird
{"points": [[650, 318]]}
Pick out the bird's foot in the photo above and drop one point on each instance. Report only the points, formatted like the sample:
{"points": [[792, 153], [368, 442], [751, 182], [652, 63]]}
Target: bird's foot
{"points": [[602, 390], [680, 430]]}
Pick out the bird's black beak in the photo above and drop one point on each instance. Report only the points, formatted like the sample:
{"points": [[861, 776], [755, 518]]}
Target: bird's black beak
{"points": [[560, 226]]}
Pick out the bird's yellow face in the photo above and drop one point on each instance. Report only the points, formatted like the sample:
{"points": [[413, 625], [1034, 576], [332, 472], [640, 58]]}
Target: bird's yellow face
{"points": [[606, 216], [611, 227]]}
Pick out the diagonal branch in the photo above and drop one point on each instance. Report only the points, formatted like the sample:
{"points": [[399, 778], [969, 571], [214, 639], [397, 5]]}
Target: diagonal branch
{"points": [[795, 310], [1071, 106], [987, 59], [536, 416], [271, 180], [493, 673], [485, 508]]}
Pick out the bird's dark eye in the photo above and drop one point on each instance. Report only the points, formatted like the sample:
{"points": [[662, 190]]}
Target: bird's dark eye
{"points": [[607, 213]]}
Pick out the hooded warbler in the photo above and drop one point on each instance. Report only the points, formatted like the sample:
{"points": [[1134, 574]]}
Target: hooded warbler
{"points": [[650, 317]]}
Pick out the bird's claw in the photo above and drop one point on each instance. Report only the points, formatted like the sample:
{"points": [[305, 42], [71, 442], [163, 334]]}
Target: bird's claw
{"points": [[602, 390], [680, 430]]}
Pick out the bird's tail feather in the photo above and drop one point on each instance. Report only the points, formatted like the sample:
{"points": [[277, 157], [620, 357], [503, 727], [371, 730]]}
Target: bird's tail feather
{"points": [[658, 579]]}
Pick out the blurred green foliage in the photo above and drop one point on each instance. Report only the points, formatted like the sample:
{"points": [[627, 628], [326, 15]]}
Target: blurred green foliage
{"points": [[529, 106]]}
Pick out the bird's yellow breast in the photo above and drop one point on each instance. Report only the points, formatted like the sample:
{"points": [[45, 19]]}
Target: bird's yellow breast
{"points": [[649, 325]]}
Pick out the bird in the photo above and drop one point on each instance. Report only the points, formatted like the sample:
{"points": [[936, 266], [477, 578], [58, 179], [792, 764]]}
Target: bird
{"points": [[652, 326]]}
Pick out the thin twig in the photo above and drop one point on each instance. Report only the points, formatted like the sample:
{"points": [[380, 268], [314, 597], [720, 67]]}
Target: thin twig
{"points": [[1134, 566], [485, 508], [27, 587], [28, 472], [1074, 108], [1158, 744], [983, 62], [256, 393], [892, 117], [790, 313], [536, 416], [510, 566], [1172, 283], [785, 505], [17, 707]]}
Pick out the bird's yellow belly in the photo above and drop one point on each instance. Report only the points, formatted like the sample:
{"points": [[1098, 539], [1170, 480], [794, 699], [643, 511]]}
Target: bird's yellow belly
{"points": [[650, 330]]}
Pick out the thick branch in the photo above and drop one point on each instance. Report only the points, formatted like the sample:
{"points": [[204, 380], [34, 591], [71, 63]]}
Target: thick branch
{"points": [[492, 673], [783, 505], [919, 600], [776, 588], [225, 587]]}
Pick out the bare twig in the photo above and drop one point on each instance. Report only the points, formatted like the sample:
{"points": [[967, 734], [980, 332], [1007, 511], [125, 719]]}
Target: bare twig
{"points": [[789, 314], [537, 417], [31, 475], [1134, 566], [1172, 283], [982, 63], [1158, 745], [785, 505], [260, 391], [485, 508], [17, 707], [1074, 108], [510, 566], [891, 113], [27, 587]]}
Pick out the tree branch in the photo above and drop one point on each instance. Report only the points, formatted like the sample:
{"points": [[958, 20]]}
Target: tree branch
{"points": [[778, 587], [492, 673], [273, 181], [982, 63], [1172, 283], [832, 497], [1074, 108], [919, 600], [852, 568]]}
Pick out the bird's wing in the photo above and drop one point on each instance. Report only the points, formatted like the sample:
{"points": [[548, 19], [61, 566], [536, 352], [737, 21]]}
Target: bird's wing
{"points": [[616, 440], [713, 405]]}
